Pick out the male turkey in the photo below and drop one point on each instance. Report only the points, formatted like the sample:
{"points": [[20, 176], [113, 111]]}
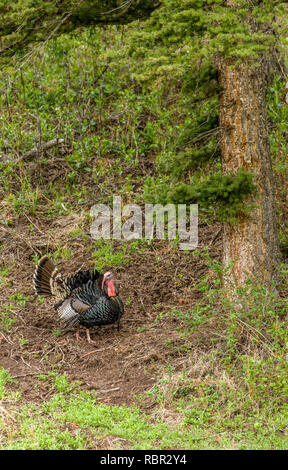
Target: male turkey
{"points": [[85, 298]]}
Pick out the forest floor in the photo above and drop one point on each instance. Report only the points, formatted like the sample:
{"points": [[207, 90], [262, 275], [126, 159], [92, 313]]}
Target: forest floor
{"points": [[188, 369], [120, 364], [168, 379]]}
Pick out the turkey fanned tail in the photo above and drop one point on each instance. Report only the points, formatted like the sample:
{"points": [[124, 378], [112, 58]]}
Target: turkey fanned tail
{"points": [[47, 279]]}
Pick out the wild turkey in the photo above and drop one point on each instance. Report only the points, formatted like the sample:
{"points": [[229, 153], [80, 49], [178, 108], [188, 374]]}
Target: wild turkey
{"points": [[85, 298]]}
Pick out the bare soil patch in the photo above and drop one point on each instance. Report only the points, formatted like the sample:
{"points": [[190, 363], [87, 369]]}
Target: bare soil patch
{"points": [[120, 364]]}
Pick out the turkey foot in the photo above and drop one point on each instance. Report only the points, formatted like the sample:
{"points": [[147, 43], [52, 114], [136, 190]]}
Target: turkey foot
{"points": [[88, 337], [77, 333]]}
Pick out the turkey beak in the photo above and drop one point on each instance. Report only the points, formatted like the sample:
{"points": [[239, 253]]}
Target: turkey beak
{"points": [[105, 279]]}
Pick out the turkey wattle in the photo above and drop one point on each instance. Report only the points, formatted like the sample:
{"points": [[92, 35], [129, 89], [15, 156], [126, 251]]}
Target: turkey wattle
{"points": [[85, 298]]}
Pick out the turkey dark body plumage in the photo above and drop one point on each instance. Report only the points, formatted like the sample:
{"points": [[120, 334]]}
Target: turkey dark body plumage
{"points": [[86, 298]]}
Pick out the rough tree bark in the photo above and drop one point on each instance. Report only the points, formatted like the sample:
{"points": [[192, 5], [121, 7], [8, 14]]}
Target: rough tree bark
{"points": [[253, 240]]}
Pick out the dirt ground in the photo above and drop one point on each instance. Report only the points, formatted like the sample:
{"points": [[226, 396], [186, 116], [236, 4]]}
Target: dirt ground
{"points": [[120, 364]]}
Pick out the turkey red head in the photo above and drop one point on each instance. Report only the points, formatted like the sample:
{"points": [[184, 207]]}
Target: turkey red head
{"points": [[108, 284]]}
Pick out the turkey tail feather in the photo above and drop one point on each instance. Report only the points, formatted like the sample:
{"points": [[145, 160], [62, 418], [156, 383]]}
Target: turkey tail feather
{"points": [[45, 276]]}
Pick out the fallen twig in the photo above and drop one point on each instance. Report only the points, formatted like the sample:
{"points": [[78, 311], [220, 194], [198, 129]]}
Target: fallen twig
{"points": [[41, 148], [215, 236], [109, 390], [94, 351], [24, 375]]}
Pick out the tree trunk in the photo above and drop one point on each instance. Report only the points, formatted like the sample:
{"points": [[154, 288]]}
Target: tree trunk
{"points": [[253, 241]]}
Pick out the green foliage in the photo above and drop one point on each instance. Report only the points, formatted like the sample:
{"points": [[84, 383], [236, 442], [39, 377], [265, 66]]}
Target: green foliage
{"points": [[73, 419], [24, 23], [180, 45], [25, 201], [3, 275], [8, 313], [232, 390], [266, 379], [214, 405], [201, 84], [193, 158], [278, 118], [109, 125], [237, 380], [108, 253], [198, 124], [201, 30], [120, 124], [211, 413], [220, 196], [5, 378], [253, 318], [7, 316]]}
